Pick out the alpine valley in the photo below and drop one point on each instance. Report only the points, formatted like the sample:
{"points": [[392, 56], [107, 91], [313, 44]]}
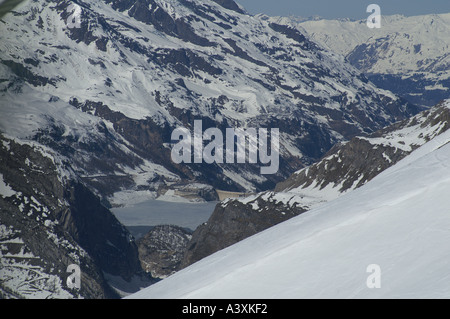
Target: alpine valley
{"points": [[408, 55], [90, 93], [107, 95]]}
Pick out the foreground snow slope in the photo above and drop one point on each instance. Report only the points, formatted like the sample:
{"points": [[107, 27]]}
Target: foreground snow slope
{"points": [[400, 221]]}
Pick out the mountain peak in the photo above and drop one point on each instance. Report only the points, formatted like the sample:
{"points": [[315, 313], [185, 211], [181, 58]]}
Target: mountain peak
{"points": [[231, 5]]}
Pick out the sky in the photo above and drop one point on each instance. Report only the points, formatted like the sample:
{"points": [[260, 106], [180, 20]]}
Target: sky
{"points": [[354, 9]]}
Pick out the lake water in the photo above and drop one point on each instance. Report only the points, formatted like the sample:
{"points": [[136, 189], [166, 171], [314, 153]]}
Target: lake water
{"points": [[141, 217]]}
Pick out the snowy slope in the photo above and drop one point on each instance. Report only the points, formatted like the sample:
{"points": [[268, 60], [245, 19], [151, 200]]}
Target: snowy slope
{"points": [[398, 221]]}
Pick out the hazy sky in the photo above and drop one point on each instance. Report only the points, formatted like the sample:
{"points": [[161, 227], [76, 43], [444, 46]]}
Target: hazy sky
{"points": [[354, 9]]}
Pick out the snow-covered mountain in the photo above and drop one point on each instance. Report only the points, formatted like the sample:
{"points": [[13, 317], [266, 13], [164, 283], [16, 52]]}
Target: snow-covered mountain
{"points": [[408, 55], [104, 83], [385, 239], [344, 168]]}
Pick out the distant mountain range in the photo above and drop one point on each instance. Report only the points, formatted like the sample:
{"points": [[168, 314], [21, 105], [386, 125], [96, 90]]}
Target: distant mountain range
{"points": [[409, 56]]}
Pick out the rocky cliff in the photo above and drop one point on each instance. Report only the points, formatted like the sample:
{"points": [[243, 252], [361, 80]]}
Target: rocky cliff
{"points": [[50, 220]]}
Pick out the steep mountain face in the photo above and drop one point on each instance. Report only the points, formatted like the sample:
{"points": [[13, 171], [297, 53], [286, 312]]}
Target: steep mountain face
{"points": [[345, 167], [408, 55], [48, 221], [105, 83]]}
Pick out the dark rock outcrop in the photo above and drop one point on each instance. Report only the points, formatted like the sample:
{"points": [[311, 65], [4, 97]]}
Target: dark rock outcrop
{"points": [[162, 248], [233, 221], [356, 162], [57, 221]]}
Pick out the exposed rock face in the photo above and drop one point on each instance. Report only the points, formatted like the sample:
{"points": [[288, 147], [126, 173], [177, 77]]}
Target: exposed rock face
{"points": [[345, 167], [362, 163], [48, 221], [350, 165], [96, 229], [162, 248], [235, 220]]}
